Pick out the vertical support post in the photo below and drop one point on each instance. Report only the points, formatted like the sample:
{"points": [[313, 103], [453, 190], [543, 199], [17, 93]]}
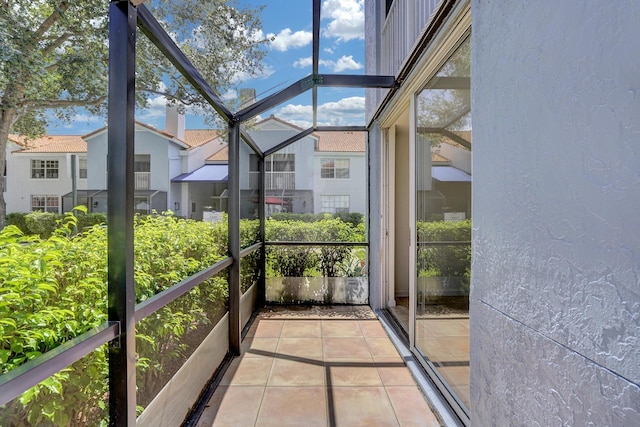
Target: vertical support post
{"points": [[121, 297], [262, 215], [74, 183], [235, 328]]}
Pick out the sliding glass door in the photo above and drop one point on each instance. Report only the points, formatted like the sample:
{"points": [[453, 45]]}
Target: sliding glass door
{"points": [[443, 224]]}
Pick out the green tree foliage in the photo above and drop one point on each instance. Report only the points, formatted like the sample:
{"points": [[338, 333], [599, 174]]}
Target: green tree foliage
{"points": [[54, 55]]}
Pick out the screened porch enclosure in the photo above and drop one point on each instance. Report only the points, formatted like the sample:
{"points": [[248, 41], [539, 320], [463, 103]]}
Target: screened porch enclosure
{"points": [[329, 267]]}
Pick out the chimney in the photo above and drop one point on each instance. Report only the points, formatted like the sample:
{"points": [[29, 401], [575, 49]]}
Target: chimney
{"points": [[174, 122]]}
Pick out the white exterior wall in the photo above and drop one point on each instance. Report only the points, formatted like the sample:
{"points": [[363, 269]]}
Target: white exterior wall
{"points": [[97, 161], [196, 157], [160, 151], [555, 324], [20, 186], [355, 186], [272, 133], [166, 162]]}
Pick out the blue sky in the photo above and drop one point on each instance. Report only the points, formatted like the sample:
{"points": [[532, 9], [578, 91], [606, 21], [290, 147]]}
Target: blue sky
{"points": [[288, 59]]}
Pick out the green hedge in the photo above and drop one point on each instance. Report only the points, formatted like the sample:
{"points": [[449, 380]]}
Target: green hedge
{"points": [[453, 260], [354, 218], [44, 224], [301, 261], [54, 289]]}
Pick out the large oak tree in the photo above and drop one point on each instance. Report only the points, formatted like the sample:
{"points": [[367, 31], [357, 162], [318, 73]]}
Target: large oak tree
{"points": [[54, 55]]}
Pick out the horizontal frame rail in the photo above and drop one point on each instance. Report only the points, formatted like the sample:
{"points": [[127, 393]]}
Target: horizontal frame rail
{"points": [[167, 296], [251, 249], [21, 379], [358, 244]]}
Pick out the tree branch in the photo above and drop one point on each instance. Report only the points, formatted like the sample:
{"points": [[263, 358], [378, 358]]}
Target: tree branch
{"points": [[61, 103], [57, 43], [51, 19], [166, 95]]}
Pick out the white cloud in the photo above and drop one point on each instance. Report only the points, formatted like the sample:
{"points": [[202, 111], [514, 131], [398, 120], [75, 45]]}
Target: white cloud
{"points": [[303, 62], [345, 112], [344, 63], [229, 95], [328, 50], [286, 40], [346, 19], [347, 63]]}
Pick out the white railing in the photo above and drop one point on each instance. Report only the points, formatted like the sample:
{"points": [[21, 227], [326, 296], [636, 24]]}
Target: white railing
{"points": [[142, 180], [274, 180], [404, 24]]}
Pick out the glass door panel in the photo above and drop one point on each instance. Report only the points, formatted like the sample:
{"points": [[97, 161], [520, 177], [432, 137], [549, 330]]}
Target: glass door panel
{"points": [[443, 223]]}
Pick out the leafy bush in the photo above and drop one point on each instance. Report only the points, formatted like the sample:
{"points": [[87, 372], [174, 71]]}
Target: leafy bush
{"points": [[19, 220], [444, 260], [54, 289], [42, 224], [354, 218], [300, 261], [90, 219]]}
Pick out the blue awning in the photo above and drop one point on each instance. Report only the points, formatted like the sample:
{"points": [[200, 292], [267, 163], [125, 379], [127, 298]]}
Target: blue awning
{"points": [[449, 174], [206, 173]]}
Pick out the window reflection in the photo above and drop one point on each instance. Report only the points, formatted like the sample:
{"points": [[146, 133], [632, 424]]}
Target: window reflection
{"points": [[443, 221]]}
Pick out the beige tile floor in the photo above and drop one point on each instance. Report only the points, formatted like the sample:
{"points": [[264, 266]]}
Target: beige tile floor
{"points": [[444, 339], [317, 367]]}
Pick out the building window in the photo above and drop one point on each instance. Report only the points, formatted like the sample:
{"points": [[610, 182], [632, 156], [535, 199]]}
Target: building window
{"points": [[334, 168], [41, 169], [82, 168], [142, 163], [45, 203], [334, 204], [281, 163], [279, 171], [388, 4]]}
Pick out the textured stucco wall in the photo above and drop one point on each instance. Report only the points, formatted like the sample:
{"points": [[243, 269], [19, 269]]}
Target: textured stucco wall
{"points": [[555, 301]]}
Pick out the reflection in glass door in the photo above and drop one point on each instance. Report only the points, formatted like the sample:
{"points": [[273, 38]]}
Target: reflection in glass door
{"points": [[443, 224]]}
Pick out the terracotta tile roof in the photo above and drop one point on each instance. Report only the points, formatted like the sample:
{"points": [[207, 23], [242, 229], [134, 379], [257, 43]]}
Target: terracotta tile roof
{"points": [[192, 137], [437, 158], [198, 137], [50, 144], [221, 155], [465, 134], [274, 118], [341, 141]]}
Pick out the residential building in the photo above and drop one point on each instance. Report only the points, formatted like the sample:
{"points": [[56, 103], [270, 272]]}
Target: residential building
{"points": [[553, 90], [38, 171], [43, 168], [323, 172]]}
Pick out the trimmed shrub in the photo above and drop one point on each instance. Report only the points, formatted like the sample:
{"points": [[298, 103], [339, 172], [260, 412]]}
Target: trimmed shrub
{"points": [[42, 223], [19, 219]]}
